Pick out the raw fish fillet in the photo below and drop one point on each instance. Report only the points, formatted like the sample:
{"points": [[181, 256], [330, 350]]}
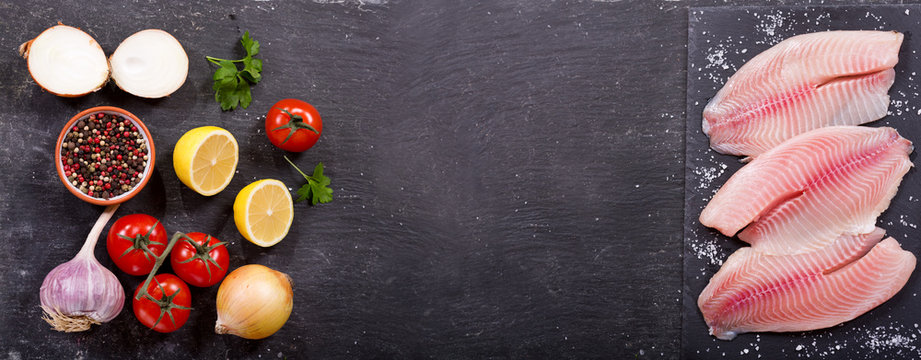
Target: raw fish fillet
{"points": [[803, 83], [754, 291], [802, 194]]}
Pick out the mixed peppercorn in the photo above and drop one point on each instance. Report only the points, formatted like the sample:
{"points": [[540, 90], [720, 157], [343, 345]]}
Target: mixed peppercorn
{"points": [[104, 155]]}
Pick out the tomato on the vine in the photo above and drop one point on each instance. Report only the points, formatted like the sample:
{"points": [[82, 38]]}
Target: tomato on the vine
{"points": [[199, 259], [134, 242], [165, 307], [293, 125]]}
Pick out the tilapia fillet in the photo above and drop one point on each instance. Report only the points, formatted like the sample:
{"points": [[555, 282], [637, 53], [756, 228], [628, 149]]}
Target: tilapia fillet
{"points": [[756, 292], [803, 83], [802, 194]]}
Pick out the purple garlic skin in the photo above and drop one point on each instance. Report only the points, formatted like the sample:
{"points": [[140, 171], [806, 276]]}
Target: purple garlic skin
{"points": [[82, 286]]}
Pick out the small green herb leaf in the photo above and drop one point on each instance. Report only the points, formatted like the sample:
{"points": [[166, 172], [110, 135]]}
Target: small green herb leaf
{"points": [[251, 46], [244, 94], [232, 85], [317, 186], [227, 70], [252, 69], [320, 186]]}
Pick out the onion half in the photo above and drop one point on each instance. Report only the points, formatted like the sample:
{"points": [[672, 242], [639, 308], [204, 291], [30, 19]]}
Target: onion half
{"points": [[66, 61], [150, 64]]}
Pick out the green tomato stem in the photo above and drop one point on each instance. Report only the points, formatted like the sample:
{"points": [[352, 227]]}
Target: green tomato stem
{"points": [[153, 272]]}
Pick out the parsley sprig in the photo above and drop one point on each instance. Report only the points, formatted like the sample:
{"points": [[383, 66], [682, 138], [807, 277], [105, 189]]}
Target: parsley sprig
{"points": [[231, 85], [317, 186]]}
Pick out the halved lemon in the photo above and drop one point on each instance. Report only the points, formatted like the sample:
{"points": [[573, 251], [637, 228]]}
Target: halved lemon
{"points": [[205, 159], [263, 212]]}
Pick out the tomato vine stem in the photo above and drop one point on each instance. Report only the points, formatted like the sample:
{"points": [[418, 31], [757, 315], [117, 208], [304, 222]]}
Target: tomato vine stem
{"points": [[153, 272]]}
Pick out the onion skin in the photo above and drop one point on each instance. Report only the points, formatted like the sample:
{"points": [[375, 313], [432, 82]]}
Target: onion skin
{"points": [[253, 302]]}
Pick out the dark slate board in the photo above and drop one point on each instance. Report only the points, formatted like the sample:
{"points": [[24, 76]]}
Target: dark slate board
{"points": [[507, 177], [720, 40]]}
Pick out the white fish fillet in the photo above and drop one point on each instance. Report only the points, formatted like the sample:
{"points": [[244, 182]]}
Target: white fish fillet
{"points": [[754, 291], [805, 192], [803, 83]]}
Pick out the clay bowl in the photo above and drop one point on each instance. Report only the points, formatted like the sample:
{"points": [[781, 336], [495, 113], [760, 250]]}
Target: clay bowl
{"points": [[145, 175]]}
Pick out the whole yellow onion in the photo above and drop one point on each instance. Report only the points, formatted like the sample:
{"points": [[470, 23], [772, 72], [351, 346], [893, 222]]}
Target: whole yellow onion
{"points": [[253, 302]]}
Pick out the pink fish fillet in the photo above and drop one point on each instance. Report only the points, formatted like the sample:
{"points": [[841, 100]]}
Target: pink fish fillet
{"points": [[802, 194], [803, 83], [756, 292]]}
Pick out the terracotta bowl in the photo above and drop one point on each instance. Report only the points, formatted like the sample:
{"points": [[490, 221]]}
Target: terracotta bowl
{"points": [[108, 110]]}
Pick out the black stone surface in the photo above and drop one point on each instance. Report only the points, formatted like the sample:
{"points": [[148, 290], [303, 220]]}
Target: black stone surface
{"points": [[720, 40], [508, 177]]}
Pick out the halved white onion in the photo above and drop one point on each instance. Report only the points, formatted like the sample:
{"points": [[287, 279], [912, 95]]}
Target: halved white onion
{"points": [[151, 64], [66, 61]]}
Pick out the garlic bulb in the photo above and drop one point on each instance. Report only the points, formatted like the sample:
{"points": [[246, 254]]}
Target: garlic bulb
{"points": [[82, 292], [253, 302]]}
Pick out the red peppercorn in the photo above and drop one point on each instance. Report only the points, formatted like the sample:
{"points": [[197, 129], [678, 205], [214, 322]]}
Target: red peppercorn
{"points": [[87, 161]]}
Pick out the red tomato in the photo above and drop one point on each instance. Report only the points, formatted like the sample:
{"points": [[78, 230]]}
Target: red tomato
{"points": [[134, 243], [199, 259], [293, 125], [165, 308]]}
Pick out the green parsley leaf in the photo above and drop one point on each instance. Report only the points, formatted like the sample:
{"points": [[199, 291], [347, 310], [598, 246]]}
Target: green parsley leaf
{"points": [[317, 186], [251, 46], [232, 85], [244, 94], [227, 70], [251, 70]]}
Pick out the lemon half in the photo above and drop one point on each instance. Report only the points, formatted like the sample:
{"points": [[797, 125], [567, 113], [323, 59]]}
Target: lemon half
{"points": [[205, 159], [263, 212]]}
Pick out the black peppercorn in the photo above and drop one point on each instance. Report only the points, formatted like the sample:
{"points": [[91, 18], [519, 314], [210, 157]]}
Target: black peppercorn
{"points": [[101, 159]]}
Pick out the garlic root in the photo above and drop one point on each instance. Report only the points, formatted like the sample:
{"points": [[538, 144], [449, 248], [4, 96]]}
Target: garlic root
{"points": [[65, 323]]}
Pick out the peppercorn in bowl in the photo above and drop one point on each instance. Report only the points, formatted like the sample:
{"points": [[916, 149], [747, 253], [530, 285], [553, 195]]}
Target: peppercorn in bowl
{"points": [[104, 155]]}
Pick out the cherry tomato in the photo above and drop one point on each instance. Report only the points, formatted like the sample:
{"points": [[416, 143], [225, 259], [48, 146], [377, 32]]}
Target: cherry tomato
{"points": [[293, 125], [134, 242], [165, 308], [199, 259]]}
